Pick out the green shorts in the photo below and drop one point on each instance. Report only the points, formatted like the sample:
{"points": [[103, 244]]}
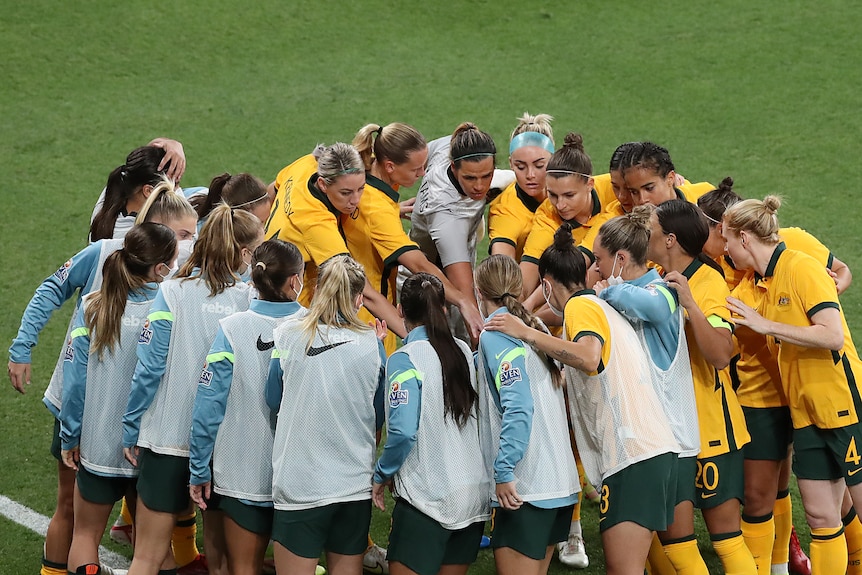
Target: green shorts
{"points": [[686, 471], [254, 518], [423, 545], [828, 453], [530, 530], [719, 479], [103, 490], [771, 433], [340, 528], [56, 446], [643, 493], [163, 481]]}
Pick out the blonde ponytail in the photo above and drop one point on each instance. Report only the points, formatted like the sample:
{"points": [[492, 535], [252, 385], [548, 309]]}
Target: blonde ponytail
{"points": [[341, 279]]}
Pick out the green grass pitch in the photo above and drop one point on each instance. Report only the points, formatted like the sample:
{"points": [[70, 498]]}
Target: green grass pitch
{"points": [[768, 92]]}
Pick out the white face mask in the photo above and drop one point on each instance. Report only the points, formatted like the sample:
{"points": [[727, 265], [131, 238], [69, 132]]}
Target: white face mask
{"points": [[479, 304], [184, 251], [614, 280], [245, 275], [546, 293], [172, 271], [301, 285]]}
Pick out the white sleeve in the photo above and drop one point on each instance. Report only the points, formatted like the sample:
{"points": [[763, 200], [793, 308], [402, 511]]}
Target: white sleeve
{"points": [[451, 235]]}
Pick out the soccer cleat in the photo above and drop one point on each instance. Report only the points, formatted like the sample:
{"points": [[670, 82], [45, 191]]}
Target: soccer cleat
{"points": [[799, 563], [121, 532], [573, 553], [111, 571], [198, 566], [374, 560], [485, 542]]}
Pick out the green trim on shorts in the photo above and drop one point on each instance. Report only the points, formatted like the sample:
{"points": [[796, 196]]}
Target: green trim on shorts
{"points": [[771, 431], [163, 481], [255, 519], [530, 530], [826, 454], [719, 479], [340, 528], [424, 546], [101, 489], [642, 493]]}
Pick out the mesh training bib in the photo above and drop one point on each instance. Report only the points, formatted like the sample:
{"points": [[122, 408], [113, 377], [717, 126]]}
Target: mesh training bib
{"points": [[547, 470], [166, 425], [325, 436], [54, 392], [242, 456], [444, 475], [617, 418], [109, 382]]}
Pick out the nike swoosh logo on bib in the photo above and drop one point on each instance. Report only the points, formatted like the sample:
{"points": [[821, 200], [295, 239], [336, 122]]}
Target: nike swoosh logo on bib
{"points": [[312, 351], [264, 345]]}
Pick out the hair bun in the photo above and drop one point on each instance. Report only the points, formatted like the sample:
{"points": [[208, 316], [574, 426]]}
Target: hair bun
{"points": [[574, 140], [464, 127], [563, 239], [772, 203], [726, 184]]}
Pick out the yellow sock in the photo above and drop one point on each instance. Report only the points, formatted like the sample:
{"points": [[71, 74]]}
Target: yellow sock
{"points": [[51, 568], [370, 543], [657, 561], [125, 513], [576, 512], [183, 539], [734, 555], [782, 514], [853, 535], [759, 535], [828, 551], [685, 557]]}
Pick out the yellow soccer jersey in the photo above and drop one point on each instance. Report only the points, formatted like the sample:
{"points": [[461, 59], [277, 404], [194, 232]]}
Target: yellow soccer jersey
{"points": [[376, 239], [756, 375], [756, 372], [604, 189], [510, 218], [820, 384], [311, 223], [583, 317], [546, 222], [722, 425], [691, 192], [296, 173]]}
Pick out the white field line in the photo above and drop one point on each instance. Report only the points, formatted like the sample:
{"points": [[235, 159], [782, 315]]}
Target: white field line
{"points": [[35, 521]]}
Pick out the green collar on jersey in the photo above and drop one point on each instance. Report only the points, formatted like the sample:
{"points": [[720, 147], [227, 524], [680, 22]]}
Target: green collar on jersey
{"points": [[379, 184]]}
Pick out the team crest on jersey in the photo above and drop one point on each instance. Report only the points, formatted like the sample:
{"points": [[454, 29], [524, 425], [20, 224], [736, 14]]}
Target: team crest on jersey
{"points": [[69, 354], [783, 300], [398, 396], [146, 333], [63, 273], [509, 375], [206, 376]]}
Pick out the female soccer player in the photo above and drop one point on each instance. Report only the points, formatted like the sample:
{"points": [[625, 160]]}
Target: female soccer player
{"points": [[651, 306], [316, 195], [231, 408], [450, 206], [795, 303], [326, 384], [83, 274], [678, 233], [525, 432], [432, 453], [650, 176], [98, 368], [572, 199], [174, 343], [510, 215], [624, 442], [394, 156]]}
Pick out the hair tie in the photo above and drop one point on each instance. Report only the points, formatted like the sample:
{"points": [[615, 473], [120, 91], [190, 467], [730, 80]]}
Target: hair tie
{"points": [[464, 157], [508, 294], [260, 265], [250, 202], [379, 130]]}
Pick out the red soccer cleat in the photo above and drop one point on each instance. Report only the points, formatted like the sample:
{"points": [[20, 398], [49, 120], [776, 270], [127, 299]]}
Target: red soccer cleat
{"points": [[799, 563], [198, 566]]}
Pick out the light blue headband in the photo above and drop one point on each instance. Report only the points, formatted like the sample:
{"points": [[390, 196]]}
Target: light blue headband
{"points": [[531, 139]]}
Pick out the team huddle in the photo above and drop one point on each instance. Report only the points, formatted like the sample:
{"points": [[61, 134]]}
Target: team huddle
{"points": [[662, 340]]}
